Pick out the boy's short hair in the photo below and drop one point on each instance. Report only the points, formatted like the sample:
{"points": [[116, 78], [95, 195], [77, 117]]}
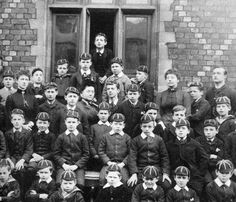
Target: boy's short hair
{"points": [[224, 166], [68, 175], [182, 122], [146, 118], [73, 114], [104, 106], [223, 100], [151, 172], [178, 108], [71, 90], [117, 60], [151, 105], [35, 70], [6, 163], [102, 34], [113, 168], [8, 73], [197, 84], [211, 122], [43, 116], [142, 68], [85, 56], [23, 72], [182, 171], [50, 85], [44, 164], [17, 111], [109, 83], [118, 117], [133, 88], [62, 61], [173, 71]]}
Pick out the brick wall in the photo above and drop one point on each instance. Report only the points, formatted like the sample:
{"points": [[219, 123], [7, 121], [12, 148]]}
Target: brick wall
{"points": [[16, 34], [205, 32]]}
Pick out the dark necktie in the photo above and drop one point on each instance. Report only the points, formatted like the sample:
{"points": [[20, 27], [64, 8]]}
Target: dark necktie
{"points": [[16, 135]]}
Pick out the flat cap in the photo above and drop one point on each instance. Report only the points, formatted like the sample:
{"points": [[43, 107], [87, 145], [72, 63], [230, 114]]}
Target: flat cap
{"points": [[43, 116], [146, 118], [151, 172], [118, 117], [68, 175], [85, 56], [44, 164], [71, 90], [211, 122], [224, 166], [8, 73], [182, 171], [133, 88], [104, 106], [73, 114], [223, 100], [182, 122], [142, 68]]}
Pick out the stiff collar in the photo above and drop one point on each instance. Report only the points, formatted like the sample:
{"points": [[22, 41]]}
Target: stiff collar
{"points": [[143, 135], [51, 103], [46, 131], [115, 185], [154, 186], [219, 183], [88, 72], [20, 130], [134, 104], [119, 75], [9, 89], [178, 188], [36, 85], [197, 99], [70, 108], [114, 101], [102, 123], [75, 132], [100, 51], [48, 180], [141, 82], [112, 132], [182, 139]]}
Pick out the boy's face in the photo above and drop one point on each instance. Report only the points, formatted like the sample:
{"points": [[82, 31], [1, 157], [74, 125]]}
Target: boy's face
{"points": [[172, 80], [113, 177], [116, 68], [153, 113], [210, 132], [150, 182], [4, 174], [182, 131], [62, 69], [100, 42], [147, 128], [179, 115], [68, 186], [71, 99], [8, 82], [195, 93], [85, 64], [37, 77], [42, 125], [103, 115], [23, 82], [17, 121], [88, 93], [112, 91], [117, 126], [51, 94], [181, 181], [140, 76], [223, 109], [133, 96], [44, 174], [71, 123], [224, 177]]}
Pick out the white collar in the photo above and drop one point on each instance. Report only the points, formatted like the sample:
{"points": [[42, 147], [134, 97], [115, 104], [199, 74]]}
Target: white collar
{"points": [[88, 72], [197, 99], [181, 139], [119, 75], [133, 103], [71, 108], [8, 88], [143, 135], [142, 81], [219, 183], [115, 185], [112, 132], [178, 188], [75, 132], [100, 51], [102, 123], [48, 180], [14, 130], [46, 131], [35, 85], [114, 101], [154, 186], [51, 102]]}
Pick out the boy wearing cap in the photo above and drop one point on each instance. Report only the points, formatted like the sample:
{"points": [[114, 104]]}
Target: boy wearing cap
{"points": [[181, 192], [149, 190], [42, 188], [132, 109], [200, 108], [148, 149], [97, 131], [213, 146], [86, 75], [114, 189], [8, 89], [225, 120], [62, 79], [68, 191], [183, 150], [146, 87], [117, 76], [222, 189], [10, 189], [36, 88], [71, 151], [114, 148]]}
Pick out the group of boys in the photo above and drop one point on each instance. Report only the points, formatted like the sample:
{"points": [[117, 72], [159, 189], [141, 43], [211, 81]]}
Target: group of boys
{"points": [[109, 123]]}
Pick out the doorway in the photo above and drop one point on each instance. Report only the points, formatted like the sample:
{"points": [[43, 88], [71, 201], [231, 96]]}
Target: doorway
{"points": [[102, 21]]}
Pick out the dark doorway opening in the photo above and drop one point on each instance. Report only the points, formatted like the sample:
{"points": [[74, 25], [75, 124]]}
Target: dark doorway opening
{"points": [[102, 21]]}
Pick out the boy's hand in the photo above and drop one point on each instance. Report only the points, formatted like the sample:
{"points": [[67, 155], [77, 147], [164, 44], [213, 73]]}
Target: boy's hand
{"points": [[43, 196], [213, 156], [38, 96], [10, 193], [166, 177], [33, 192], [66, 166], [133, 180], [102, 79], [121, 165], [37, 157], [20, 164], [28, 126], [73, 167]]}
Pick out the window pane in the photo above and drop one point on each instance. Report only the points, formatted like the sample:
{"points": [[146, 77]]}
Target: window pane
{"points": [[66, 38], [137, 1], [136, 35]]}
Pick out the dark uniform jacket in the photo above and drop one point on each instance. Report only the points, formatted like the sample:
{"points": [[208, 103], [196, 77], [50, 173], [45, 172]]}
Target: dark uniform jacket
{"points": [[4, 119], [147, 91], [31, 89], [230, 146], [2, 146], [226, 127]]}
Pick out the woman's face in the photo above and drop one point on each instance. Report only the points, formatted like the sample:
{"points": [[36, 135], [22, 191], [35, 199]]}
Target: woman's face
{"points": [[88, 93], [172, 80]]}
